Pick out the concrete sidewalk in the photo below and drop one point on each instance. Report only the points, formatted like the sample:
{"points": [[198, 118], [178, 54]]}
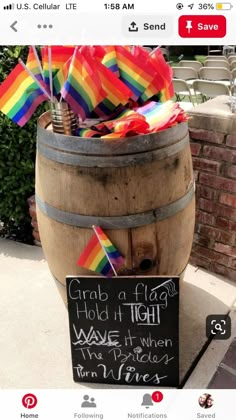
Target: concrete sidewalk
{"points": [[34, 333], [217, 366]]}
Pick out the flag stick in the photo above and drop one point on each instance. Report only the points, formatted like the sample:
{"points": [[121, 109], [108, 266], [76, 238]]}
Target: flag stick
{"points": [[157, 48], [74, 54], [50, 71], [112, 266], [34, 78], [38, 61]]}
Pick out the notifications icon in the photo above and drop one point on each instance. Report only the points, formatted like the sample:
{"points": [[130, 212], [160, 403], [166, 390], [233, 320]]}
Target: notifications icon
{"points": [[147, 400], [29, 401]]}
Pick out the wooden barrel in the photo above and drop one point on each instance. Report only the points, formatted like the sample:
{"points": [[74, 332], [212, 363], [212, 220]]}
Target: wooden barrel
{"points": [[140, 190]]}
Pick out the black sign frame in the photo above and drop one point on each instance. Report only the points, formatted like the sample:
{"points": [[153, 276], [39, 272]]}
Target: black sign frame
{"points": [[124, 330]]}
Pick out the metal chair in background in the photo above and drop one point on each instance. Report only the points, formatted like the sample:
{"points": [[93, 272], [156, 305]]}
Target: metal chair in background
{"points": [[209, 89], [232, 58], [216, 57], [182, 90], [194, 64], [215, 74], [217, 63], [233, 65], [185, 73], [233, 74]]}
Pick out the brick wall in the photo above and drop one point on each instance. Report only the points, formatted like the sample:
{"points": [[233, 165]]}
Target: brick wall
{"points": [[34, 223], [214, 161]]}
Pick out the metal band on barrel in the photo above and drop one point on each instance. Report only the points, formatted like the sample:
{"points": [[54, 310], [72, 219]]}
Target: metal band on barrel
{"points": [[116, 222], [101, 147], [76, 159]]}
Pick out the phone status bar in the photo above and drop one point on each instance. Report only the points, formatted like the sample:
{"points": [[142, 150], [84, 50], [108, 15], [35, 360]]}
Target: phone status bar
{"points": [[136, 6]]}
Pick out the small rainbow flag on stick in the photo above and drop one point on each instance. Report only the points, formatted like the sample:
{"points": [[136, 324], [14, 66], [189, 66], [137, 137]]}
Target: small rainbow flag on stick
{"points": [[34, 63], [82, 90], [134, 71], [116, 91], [61, 76], [60, 54], [21, 93], [164, 75], [109, 60], [100, 255]]}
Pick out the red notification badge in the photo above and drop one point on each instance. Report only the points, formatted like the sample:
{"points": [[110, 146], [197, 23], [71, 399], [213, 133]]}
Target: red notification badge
{"points": [[157, 396]]}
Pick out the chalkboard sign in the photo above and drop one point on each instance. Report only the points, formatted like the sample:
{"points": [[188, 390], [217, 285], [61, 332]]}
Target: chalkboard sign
{"points": [[124, 330]]}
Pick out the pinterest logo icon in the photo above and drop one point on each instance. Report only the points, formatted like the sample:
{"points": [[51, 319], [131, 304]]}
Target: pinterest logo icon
{"points": [[29, 401]]}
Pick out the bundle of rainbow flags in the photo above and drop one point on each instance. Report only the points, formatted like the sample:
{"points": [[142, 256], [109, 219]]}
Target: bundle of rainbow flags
{"points": [[126, 87]]}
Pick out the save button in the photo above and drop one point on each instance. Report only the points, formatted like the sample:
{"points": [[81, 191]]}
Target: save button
{"points": [[194, 26]]}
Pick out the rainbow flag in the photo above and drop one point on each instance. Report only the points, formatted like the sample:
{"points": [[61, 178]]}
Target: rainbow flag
{"points": [[113, 254], [127, 123], [94, 256], [109, 60], [61, 76], [32, 64], [161, 116], [87, 133], [157, 82], [116, 91], [20, 96], [167, 93], [60, 55], [162, 83], [98, 51], [135, 72], [83, 89], [145, 119]]}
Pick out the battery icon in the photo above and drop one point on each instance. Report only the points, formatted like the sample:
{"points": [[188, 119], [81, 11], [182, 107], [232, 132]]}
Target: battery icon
{"points": [[224, 6]]}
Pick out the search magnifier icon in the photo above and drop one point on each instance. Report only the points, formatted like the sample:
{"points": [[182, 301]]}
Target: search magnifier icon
{"points": [[218, 327]]}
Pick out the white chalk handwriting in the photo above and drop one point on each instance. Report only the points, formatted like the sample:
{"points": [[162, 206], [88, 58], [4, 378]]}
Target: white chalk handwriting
{"points": [[96, 337]]}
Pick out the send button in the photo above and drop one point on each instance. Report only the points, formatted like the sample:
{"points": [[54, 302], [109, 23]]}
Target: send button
{"points": [[148, 26], [154, 27]]}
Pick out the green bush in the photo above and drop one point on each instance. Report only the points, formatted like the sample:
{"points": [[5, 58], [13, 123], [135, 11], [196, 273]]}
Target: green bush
{"points": [[17, 157]]}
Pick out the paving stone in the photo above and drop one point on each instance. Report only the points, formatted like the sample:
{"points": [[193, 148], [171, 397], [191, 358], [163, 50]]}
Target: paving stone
{"points": [[223, 380], [230, 357]]}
